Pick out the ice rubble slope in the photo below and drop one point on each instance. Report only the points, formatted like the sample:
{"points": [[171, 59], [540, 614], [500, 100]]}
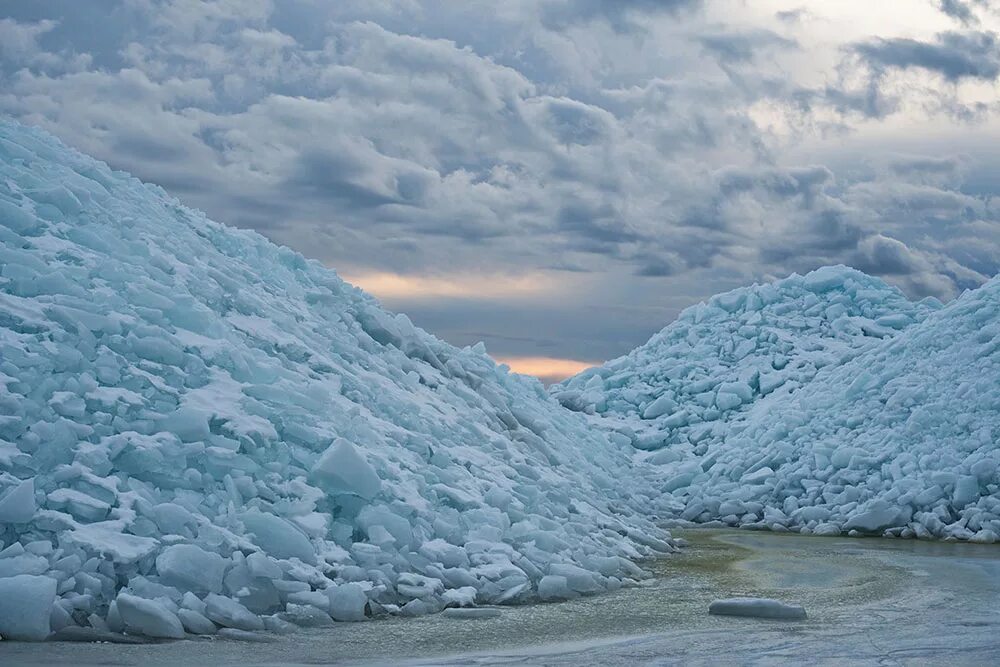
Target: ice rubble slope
{"points": [[719, 357], [854, 410], [902, 439], [199, 428]]}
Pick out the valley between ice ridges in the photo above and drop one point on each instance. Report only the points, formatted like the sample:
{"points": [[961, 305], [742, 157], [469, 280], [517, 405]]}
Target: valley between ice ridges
{"points": [[201, 429]]}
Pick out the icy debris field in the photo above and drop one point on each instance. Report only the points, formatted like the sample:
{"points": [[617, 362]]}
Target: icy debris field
{"points": [[201, 430], [719, 357], [823, 403]]}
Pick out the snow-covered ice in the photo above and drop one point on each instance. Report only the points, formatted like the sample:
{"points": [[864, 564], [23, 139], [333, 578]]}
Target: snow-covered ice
{"points": [[200, 430], [757, 608], [824, 403]]}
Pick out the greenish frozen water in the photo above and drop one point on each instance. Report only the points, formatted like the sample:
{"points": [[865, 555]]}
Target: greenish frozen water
{"points": [[870, 601]]}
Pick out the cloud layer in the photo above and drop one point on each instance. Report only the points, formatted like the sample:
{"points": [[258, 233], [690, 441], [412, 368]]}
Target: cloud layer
{"points": [[623, 158]]}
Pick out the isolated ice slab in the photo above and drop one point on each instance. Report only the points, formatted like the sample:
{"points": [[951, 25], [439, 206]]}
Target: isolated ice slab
{"points": [[757, 608], [471, 612]]}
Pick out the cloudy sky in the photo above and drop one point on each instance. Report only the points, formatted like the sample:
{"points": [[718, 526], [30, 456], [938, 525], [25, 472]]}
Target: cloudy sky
{"points": [[557, 178]]}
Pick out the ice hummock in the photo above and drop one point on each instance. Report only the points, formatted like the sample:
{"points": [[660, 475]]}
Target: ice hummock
{"points": [[831, 406], [201, 430], [705, 369]]}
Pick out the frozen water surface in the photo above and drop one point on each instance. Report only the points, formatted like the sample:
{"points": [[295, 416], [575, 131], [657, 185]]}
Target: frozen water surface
{"points": [[870, 602]]}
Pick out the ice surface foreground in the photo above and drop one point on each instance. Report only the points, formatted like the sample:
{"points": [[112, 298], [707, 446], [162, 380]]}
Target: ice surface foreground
{"points": [[824, 403], [199, 428]]}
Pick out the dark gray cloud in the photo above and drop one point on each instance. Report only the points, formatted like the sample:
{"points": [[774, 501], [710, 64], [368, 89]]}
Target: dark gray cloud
{"points": [[655, 265], [356, 176], [794, 182], [621, 14], [743, 46], [961, 10], [922, 165], [636, 155], [885, 257], [953, 55]]}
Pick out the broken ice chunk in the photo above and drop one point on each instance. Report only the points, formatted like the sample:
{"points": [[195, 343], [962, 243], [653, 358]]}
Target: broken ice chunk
{"points": [[278, 537], [471, 612], [555, 587], [18, 506], [189, 567], [149, 617], [659, 407], [106, 538], [195, 623], [25, 606], [757, 608], [343, 470], [230, 613], [347, 602], [461, 597], [879, 515]]}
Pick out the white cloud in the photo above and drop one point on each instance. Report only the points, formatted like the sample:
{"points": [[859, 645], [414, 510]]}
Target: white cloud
{"points": [[19, 42]]}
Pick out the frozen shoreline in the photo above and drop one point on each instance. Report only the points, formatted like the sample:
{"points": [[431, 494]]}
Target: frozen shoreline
{"points": [[881, 594]]}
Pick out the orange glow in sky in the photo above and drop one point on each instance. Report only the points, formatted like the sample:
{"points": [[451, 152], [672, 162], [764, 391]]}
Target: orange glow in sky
{"points": [[547, 369], [392, 286], [399, 288]]}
